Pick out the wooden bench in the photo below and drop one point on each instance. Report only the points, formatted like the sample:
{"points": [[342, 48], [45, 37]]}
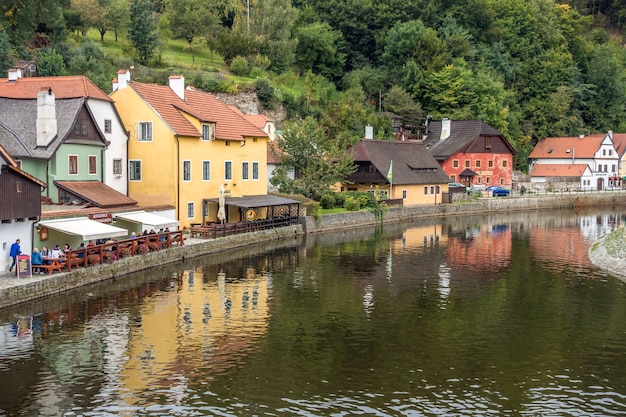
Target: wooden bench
{"points": [[54, 265]]}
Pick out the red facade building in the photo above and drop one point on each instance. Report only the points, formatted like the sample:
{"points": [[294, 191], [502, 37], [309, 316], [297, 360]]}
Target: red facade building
{"points": [[471, 152]]}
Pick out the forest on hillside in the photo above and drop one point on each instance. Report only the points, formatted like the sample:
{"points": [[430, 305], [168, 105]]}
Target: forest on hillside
{"points": [[530, 68]]}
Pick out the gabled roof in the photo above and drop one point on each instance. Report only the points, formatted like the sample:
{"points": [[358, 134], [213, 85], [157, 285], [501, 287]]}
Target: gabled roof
{"points": [[412, 163], [96, 193], [567, 147], [64, 87], [462, 134], [558, 170], [18, 126], [619, 142], [229, 125]]}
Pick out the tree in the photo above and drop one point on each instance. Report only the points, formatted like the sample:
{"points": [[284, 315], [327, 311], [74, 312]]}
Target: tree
{"points": [[319, 161], [6, 52], [319, 49], [400, 102], [50, 63], [273, 24], [191, 20], [142, 30]]}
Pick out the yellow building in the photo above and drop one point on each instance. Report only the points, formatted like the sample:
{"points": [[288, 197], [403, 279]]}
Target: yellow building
{"points": [[184, 144], [397, 170]]}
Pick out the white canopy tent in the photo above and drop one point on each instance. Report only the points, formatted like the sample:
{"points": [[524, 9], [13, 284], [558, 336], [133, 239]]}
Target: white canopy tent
{"points": [[148, 220], [88, 229]]}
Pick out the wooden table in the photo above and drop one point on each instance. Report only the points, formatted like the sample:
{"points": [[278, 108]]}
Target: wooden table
{"points": [[53, 264]]}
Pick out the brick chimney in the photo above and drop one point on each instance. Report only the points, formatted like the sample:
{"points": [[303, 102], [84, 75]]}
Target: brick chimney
{"points": [[177, 84], [46, 117]]}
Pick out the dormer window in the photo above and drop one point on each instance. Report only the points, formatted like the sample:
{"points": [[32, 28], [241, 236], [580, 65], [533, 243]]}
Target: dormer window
{"points": [[207, 132]]}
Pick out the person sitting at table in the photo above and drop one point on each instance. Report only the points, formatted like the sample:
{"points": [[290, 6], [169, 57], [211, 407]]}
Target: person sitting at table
{"points": [[45, 253], [36, 259], [81, 255], [133, 235], [67, 248], [57, 253]]}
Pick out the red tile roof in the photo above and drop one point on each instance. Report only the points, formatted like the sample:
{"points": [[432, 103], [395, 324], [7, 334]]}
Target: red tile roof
{"points": [[164, 101], [63, 87], [229, 124], [558, 170], [259, 120], [565, 147], [619, 141], [96, 193], [273, 153]]}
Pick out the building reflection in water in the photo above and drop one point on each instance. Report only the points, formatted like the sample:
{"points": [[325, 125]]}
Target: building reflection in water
{"points": [[207, 326]]}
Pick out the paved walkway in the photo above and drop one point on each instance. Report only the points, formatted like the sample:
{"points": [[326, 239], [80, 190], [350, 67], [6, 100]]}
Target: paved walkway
{"points": [[9, 279]]}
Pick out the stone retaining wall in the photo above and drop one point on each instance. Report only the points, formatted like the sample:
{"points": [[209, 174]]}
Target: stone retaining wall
{"points": [[481, 205]]}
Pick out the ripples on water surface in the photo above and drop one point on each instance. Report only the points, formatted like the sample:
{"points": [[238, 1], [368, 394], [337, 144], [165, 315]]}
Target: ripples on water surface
{"points": [[469, 316]]}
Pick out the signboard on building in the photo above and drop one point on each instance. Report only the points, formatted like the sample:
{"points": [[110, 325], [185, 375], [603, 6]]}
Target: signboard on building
{"points": [[101, 217], [23, 266]]}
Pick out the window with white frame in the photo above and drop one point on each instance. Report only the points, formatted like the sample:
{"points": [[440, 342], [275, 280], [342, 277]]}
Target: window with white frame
{"points": [[244, 171], [72, 168], [145, 131], [404, 194], [186, 171], [190, 210], [134, 170], [206, 170], [117, 167], [228, 170], [107, 125], [426, 190], [437, 189], [93, 165], [255, 170], [206, 132]]}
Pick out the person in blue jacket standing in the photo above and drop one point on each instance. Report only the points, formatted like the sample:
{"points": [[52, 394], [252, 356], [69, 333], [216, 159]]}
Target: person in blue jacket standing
{"points": [[14, 253]]}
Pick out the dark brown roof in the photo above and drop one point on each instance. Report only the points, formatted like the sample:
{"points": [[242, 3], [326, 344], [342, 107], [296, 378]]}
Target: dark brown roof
{"points": [[462, 134], [412, 163], [97, 193]]}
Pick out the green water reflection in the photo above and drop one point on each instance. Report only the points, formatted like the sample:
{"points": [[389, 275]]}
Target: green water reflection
{"points": [[483, 315]]}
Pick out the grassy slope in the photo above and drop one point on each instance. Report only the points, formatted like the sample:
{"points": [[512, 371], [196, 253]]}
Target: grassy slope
{"points": [[175, 56]]}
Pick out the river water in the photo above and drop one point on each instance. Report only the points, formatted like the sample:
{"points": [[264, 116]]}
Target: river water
{"points": [[499, 314]]}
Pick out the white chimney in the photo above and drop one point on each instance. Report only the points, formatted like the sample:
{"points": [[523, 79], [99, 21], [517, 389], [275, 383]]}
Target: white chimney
{"points": [[445, 129], [177, 84], [610, 134], [46, 117], [14, 74], [123, 77], [369, 132]]}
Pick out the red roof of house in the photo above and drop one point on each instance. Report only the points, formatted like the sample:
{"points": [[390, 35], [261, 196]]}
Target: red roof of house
{"points": [[229, 124], [63, 87], [96, 193], [619, 141], [273, 153], [565, 147], [558, 170]]}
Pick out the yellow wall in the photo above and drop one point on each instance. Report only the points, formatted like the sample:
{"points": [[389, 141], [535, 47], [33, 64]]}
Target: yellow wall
{"points": [[415, 193], [158, 162], [163, 170]]}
